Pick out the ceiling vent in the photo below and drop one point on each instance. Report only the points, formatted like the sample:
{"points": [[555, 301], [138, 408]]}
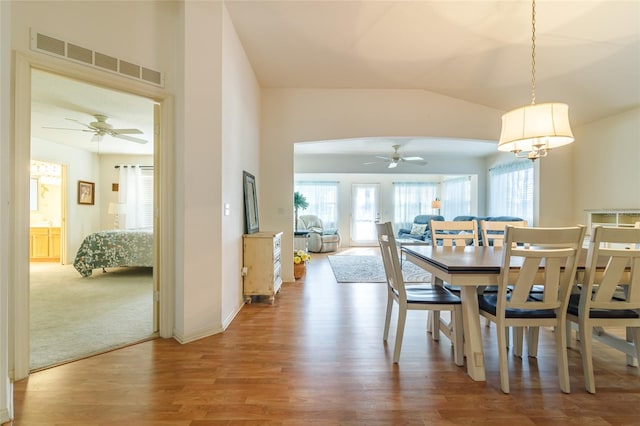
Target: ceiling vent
{"points": [[60, 48]]}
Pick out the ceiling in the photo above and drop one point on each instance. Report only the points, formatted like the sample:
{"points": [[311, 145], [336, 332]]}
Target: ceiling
{"points": [[587, 55]]}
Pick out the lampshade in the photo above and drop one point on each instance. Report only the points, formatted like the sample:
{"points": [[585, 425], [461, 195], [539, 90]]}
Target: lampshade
{"points": [[535, 127], [116, 208], [435, 204]]}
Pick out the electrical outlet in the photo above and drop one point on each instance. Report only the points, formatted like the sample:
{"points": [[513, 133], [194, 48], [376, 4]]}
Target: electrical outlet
{"points": [[244, 271]]}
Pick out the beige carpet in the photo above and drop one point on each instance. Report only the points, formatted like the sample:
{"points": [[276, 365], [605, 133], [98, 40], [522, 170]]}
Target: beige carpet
{"points": [[72, 317]]}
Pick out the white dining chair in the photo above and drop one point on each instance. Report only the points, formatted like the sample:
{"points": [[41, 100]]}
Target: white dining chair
{"points": [[426, 297], [543, 257], [600, 302]]}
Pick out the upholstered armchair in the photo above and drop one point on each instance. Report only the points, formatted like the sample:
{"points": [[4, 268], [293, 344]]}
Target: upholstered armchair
{"points": [[320, 239], [420, 227]]}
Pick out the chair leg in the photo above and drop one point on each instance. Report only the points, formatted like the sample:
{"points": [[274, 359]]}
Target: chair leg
{"points": [[502, 352], [587, 360], [458, 335], [563, 358], [435, 325], [387, 319], [402, 317], [633, 336], [533, 333], [517, 340]]}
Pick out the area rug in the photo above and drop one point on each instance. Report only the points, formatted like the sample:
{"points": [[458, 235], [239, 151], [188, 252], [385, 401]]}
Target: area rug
{"points": [[369, 269]]}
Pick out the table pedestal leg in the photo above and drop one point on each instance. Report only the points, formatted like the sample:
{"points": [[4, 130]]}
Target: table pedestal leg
{"points": [[472, 337]]}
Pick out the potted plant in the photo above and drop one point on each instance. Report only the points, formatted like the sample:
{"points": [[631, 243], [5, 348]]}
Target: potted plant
{"points": [[299, 202], [300, 259]]}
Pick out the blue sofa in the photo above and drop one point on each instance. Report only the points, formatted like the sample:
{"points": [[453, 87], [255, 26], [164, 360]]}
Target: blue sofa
{"points": [[420, 220]]}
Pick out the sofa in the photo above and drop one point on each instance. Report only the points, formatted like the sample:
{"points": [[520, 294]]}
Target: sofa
{"points": [[420, 228], [320, 239]]}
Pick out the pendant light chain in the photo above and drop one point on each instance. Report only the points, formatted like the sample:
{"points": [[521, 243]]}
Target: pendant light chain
{"points": [[533, 53]]}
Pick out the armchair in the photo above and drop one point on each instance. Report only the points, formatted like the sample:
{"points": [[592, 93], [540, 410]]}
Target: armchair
{"points": [[420, 229], [320, 239]]}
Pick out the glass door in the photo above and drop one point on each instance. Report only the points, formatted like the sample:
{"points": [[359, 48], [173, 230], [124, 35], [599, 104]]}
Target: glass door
{"points": [[365, 212]]}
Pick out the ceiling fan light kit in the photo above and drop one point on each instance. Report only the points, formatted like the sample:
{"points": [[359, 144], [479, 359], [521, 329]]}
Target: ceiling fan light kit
{"points": [[531, 131]]}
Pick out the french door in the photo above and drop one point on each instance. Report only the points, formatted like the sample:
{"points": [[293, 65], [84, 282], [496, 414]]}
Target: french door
{"points": [[365, 212]]}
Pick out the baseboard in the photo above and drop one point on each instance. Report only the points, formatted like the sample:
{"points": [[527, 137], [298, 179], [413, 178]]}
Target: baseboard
{"points": [[196, 336]]}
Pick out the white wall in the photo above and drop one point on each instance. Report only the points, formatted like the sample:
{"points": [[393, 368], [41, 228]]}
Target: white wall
{"points": [[607, 164], [241, 140], [297, 115]]}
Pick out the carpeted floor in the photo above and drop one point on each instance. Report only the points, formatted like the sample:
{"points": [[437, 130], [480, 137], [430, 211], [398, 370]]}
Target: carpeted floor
{"points": [[72, 317], [369, 269]]}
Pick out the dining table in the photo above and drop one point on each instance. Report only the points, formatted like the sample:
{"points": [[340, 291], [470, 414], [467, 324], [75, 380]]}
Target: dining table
{"points": [[471, 268]]}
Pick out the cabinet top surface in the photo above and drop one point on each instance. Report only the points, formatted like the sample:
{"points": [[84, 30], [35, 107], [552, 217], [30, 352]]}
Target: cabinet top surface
{"points": [[263, 234]]}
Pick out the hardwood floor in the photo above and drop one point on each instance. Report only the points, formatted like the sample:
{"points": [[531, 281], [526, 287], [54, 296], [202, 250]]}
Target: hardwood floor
{"points": [[316, 357]]}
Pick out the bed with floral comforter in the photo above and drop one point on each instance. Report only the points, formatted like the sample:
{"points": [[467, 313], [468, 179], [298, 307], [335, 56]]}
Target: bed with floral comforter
{"points": [[114, 248]]}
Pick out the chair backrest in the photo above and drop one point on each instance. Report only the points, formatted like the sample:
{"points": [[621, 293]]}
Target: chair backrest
{"points": [[459, 233], [547, 258], [621, 267], [309, 221], [390, 260], [493, 231]]}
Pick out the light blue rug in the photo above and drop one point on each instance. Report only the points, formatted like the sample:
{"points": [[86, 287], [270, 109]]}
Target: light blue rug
{"points": [[369, 269]]}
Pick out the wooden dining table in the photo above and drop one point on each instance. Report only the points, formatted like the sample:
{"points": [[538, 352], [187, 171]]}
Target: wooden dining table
{"points": [[469, 268]]}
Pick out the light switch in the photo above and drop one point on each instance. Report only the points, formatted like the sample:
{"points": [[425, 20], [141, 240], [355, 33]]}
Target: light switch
{"points": [[227, 209]]}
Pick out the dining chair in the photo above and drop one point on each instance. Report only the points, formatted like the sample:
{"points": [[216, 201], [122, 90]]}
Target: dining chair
{"points": [[493, 235], [449, 233], [599, 302], [415, 297], [543, 257]]}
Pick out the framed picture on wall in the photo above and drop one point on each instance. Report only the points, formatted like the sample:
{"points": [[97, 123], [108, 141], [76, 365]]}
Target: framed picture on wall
{"points": [[252, 223], [86, 192]]}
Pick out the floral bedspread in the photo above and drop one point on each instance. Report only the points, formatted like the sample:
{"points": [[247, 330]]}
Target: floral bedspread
{"points": [[120, 247]]}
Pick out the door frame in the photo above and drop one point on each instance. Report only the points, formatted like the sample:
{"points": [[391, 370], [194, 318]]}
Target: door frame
{"points": [[18, 260]]}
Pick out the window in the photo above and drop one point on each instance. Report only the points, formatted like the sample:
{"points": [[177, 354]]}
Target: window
{"points": [[323, 201], [511, 190], [456, 197], [411, 199]]}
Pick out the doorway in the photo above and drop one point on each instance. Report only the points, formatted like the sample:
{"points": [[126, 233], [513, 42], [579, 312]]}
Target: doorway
{"points": [[365, 212], [72, 316]]}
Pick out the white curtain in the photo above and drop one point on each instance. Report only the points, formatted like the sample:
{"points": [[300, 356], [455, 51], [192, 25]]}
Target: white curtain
{"points": [[456, 197], [511, 190], [411, 199], [323, 201], [131, 194]]}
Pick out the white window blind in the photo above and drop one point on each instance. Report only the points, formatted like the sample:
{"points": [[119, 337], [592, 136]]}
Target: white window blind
{"points": [[456, 197]]}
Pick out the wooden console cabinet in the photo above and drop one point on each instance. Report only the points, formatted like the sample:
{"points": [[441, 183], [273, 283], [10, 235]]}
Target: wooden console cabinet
{"points": [[262, 269]]}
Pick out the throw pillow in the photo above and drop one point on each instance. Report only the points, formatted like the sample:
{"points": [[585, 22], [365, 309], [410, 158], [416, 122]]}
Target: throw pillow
{"points": [[418, 229]]}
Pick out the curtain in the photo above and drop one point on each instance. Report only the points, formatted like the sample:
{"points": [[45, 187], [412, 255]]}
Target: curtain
{"points": [[511, 190], [323, 201], [411, 199], [456, 197], [133, 195]]}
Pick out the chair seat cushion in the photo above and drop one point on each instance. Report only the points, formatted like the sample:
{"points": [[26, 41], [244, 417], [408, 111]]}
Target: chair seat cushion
{"points": [[488, 303], [429, 294], [574, 301]]}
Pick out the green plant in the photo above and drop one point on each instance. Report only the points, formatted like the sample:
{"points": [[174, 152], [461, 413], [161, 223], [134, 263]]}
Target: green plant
{"points": [[299, 202]]}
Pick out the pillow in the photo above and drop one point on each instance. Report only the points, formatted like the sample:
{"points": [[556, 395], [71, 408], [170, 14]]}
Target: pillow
{"points": [[417, 229]]}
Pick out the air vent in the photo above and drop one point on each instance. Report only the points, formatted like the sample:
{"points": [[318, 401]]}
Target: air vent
{"points": [[60, 48]]}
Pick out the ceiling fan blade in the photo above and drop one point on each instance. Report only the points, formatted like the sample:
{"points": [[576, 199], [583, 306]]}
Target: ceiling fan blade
{"points": [[393, 165], [130, 138], [413, 158], [67, 128], [383, 158], [81, 123], [127, 131]]}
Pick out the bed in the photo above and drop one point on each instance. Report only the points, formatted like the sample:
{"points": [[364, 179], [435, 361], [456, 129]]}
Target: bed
{"points": [[114, 248]]}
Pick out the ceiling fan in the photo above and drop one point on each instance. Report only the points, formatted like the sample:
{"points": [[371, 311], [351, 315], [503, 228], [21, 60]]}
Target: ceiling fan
{"points": [[100, 127], [396, 159]]}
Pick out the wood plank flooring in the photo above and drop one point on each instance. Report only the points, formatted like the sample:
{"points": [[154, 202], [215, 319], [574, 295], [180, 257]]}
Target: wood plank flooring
{"points": [[316, 357]]}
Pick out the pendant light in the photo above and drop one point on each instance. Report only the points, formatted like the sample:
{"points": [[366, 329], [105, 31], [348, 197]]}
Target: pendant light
{"points": [[531, 131]]}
